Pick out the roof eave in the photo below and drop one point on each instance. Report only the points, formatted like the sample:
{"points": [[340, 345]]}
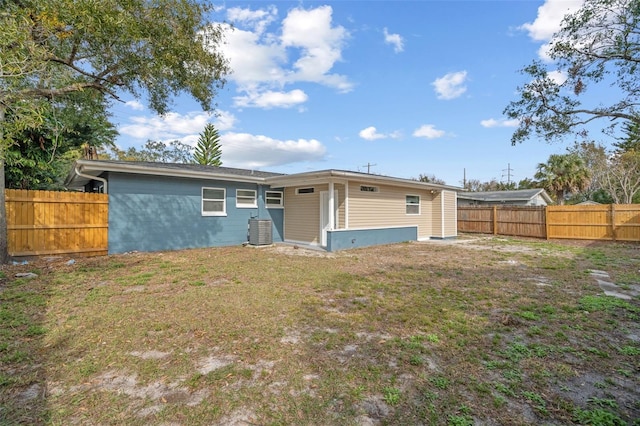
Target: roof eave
{"points": [[324, 176], [89, 166]]}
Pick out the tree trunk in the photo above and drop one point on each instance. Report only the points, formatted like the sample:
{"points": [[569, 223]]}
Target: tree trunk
{"points": [[4, 254]]}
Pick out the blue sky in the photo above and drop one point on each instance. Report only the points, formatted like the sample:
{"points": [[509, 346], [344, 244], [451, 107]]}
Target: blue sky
{"points": [[410, 87]]}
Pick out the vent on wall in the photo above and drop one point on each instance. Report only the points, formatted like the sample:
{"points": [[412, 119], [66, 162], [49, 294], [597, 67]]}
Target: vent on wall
{"points": [[260, 232]]}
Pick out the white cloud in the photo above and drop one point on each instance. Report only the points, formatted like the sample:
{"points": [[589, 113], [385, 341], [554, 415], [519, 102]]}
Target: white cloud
{"points": [[451, 85], [135, 105], [558, 77], [258, 20], [249, 151], [428, 131], [174, 125], [499, 123], [395, 40], [370, 134], [271, 99], [548, 22], [264, 59]]}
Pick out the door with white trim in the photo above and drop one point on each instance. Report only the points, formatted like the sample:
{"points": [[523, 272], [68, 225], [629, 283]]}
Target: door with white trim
{"points": [[324, 215]]}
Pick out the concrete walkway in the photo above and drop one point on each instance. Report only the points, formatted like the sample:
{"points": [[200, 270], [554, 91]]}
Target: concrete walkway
{"points": [[611, 289]]}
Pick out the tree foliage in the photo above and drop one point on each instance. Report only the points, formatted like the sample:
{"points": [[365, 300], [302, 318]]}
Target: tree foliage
{"points": [[154, 151], [51, 48], [597, 46], [208, 150], [430, 179], [563, 174], [40, 157]]}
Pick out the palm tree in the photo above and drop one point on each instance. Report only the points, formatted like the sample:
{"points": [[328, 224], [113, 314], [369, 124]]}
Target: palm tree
{"points": [[208, 148], [563, 174]]}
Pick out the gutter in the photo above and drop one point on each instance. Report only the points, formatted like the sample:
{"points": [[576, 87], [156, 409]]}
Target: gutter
{"points": [[103, 180]]}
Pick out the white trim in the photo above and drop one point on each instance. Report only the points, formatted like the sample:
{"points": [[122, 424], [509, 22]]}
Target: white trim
{"points": [[376, 227], [247, 206], [306, 243], [332, 204], [408, 204], [346, 205], [442, 214], [305, 193], [224, 202], [278, 206]]}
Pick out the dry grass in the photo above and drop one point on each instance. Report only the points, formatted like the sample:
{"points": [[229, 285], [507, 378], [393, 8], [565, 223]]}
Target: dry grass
{"points": [[491, 331]]}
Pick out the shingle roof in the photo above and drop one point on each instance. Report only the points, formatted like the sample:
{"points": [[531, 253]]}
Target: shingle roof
{"points": [[198, 168], [498, 196]]}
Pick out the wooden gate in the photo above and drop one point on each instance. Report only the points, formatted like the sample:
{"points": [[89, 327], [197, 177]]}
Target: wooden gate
{"points": [[50, 223]]}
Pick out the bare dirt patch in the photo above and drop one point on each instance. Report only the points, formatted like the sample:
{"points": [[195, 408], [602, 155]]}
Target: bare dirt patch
{"points": [[482, 330]]}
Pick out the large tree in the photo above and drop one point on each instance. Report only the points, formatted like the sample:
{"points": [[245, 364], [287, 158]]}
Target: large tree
{"points": [[50, 48], [208, 150], [563, 174], [597, 46], [39, 157]]}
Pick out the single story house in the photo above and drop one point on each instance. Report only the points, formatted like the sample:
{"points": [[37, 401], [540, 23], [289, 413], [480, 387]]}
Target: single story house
{"points": [[160, 206], [520, 197]]}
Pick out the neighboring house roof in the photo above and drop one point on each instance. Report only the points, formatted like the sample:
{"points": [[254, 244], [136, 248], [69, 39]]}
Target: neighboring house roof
{"points": [[86, 170], [589, 203], [506, 196]]}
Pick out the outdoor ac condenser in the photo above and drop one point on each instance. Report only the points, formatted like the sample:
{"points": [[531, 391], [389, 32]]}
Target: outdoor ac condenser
{"points": [[260, 232]]}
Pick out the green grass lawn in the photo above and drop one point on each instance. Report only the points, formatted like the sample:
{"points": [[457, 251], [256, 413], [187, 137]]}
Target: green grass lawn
{"points": [[493, 331]]}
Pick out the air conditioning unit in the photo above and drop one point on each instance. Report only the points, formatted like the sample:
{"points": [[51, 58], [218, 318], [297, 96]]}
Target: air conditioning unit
{"points": [[260, 233]]}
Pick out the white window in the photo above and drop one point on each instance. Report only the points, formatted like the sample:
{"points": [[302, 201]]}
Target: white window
{"points": [[413, 204], [246, 199], [214, 202], [366, 188], [305, 190], [274, 199]]}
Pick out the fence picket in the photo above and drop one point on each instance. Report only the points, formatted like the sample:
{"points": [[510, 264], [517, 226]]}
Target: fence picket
{"points": [[614, 222], [49, 222]]}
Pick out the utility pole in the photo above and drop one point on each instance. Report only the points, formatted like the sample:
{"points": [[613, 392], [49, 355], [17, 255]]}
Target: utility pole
{"points": [[508, 170], [368, 166]]}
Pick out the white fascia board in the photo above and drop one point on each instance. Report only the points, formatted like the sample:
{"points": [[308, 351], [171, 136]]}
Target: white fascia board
{"points": [[100, 167], [324, 176]]}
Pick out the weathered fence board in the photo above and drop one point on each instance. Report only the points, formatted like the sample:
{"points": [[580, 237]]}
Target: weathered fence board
{"points": [[49, 222], [618, 222], [502, 220]]}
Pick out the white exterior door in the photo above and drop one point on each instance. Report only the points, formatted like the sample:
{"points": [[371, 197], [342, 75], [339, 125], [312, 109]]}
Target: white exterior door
{"points": [[324, 215]]}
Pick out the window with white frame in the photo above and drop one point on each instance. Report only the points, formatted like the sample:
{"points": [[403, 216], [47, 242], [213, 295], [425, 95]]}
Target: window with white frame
{"points": [[309, 190], [367, 188], [214, 202], [412, 204], [246, 198], [274, 199]]}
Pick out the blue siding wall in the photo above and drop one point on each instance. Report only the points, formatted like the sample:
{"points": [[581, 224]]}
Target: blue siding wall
{"points": [[152, 213], [341, 240]]}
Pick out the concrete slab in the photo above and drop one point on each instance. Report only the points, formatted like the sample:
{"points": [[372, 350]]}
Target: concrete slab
{"points": [[618, 295]]}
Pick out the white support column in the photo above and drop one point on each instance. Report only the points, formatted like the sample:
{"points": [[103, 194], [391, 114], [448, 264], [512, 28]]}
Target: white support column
{"points": [[332, 203], [346, 205]]}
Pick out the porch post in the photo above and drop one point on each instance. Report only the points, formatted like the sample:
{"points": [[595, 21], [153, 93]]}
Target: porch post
{"points": [[332, 219]]}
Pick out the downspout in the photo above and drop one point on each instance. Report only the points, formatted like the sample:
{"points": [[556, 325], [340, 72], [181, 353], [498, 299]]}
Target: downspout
{"points": [[103, 180]]}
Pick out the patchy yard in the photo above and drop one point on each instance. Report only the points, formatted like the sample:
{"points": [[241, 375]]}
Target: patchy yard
{"points": [[481, 331]]}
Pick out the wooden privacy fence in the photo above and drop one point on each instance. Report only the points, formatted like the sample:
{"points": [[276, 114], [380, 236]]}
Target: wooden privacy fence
{"points": [[48, 223], [617, 222]]}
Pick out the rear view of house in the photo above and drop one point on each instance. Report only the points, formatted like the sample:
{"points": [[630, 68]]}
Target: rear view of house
{"points": [[159, 206]]}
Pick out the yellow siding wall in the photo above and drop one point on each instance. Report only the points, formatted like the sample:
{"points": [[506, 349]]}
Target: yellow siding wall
{"points": [[450, 214], [387, 208], [437, 230], [302, 215]]}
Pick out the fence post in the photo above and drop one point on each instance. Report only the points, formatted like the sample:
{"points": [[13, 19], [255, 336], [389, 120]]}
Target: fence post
{"points": [[546, 222], [495, 220], [613, 222]]}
